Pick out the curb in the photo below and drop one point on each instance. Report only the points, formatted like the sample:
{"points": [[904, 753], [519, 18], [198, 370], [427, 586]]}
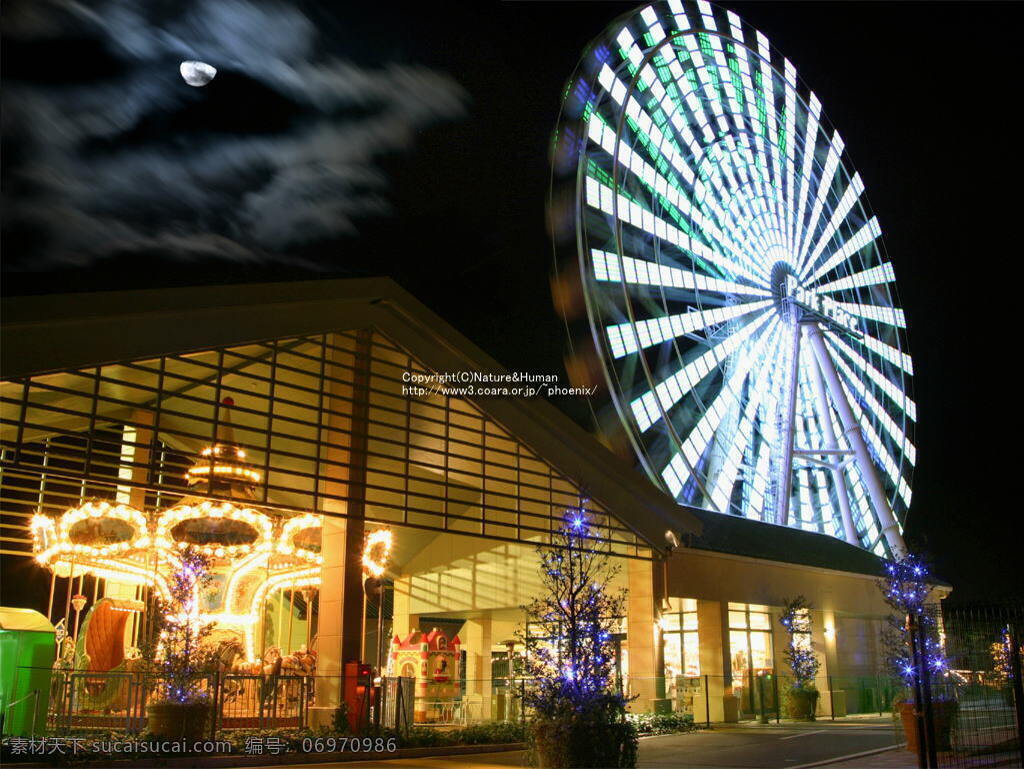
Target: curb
{"points": [[850, 756]]}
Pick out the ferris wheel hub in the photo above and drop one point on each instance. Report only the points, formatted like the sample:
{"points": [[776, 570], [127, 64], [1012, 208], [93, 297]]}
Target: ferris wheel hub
{"points": [[783, 284]]}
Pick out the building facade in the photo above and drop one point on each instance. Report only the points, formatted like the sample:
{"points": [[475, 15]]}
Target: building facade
{"points": [[329, 394]]}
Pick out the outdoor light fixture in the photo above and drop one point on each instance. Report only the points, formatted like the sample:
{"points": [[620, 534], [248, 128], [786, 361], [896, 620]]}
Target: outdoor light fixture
{"points": [[377, 551]]}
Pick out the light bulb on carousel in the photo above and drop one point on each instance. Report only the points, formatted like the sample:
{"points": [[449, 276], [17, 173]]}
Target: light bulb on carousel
{"points": [[78, 602], [222, 467]]}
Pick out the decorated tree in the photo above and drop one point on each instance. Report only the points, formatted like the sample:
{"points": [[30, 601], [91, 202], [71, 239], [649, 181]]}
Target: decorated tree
{"points": [[804, 664], [1002, 657], [183, 656], [578, 718], [905, 588]]}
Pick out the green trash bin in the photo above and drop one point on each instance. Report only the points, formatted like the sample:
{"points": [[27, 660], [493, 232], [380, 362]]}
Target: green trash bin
{"points": [[27, 653]]}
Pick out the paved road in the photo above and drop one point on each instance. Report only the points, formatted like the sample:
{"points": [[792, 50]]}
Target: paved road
{"points": [[785, 746], [767, 747]]}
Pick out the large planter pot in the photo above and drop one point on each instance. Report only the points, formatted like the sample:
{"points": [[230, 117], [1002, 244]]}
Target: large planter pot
{"points": [[570, 743], [944, 716], [802, 703], [174, 720]]}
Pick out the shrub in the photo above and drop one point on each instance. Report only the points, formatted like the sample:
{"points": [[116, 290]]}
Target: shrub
{"points": [[661, 723], [491, 733]]}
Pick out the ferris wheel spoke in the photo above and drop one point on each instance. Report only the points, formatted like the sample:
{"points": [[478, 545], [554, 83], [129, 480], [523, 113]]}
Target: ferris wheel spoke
{"points": [[863, 237], [809, 145], [726, 478], [679, 469], [886, 351], [850, 197], [602, 197], [645, 127], [790, 151], [640, 272], [878, 412], [661, 186], [890, 316], [768, 100], [626, 338], [879, 274], [893, 392], [672, 389], [886, 460], [835, 150]]}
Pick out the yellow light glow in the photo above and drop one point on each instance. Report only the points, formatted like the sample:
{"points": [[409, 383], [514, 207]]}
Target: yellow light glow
{"points": [[262, 523], [305, 577], [193, 473], [377, 551], [286, 542]]}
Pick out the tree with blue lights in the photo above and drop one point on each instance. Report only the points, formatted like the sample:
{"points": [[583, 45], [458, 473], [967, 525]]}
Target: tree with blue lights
{"points": [[184, 655], [905, 587], [577, 718], [803, 662]]}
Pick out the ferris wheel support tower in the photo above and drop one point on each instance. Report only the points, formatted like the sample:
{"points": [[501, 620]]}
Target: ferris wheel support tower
{"points": [[827, 368], [808, 324]]}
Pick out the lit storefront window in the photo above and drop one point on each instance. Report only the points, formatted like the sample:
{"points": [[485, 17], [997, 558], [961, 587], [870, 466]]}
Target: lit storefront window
{"points": [[682, 652], [750, 649]]}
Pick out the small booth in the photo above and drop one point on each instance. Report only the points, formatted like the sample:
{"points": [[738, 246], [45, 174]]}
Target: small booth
{"points": [[27, 651], [432, 661]]}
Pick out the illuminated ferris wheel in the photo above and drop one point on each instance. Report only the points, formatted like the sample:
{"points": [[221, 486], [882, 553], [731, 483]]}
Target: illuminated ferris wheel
{"points": [[735, 283]]}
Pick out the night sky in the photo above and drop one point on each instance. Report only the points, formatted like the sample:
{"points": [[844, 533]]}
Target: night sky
{"points": [[408, 141]]}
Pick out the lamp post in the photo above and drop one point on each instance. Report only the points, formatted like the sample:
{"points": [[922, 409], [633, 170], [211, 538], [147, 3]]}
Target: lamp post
{"points": [[376, 552]]}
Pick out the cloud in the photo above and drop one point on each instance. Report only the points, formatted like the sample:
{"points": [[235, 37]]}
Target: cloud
{"points": [[279, 152]]}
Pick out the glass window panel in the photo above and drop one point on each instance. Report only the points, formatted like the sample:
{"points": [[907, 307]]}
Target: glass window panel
{"points": [[761, 651], [760, 621], [690, 621], [673, 659], [739, 654], [737, 619], [691, 655]]}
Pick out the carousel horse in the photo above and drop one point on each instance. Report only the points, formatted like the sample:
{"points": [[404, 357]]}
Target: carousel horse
{"points": [[271, 672], [63, 666], [230, 658], [301, 663]]}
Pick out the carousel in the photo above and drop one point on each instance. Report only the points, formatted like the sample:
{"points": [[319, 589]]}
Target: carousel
{"points": [[265, 569]]}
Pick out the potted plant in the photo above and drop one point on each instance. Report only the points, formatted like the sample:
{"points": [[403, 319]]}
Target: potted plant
{"points": [[905, 588], [577, 718], [802, 695], [182, 708]]}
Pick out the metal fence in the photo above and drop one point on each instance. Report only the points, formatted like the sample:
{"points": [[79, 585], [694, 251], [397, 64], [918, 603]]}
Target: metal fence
{"points": [[86, 700], [973, 715], [82, 700]]}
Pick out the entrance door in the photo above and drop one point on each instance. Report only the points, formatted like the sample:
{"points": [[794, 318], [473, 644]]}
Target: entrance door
{"points": [[750, 653]]}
